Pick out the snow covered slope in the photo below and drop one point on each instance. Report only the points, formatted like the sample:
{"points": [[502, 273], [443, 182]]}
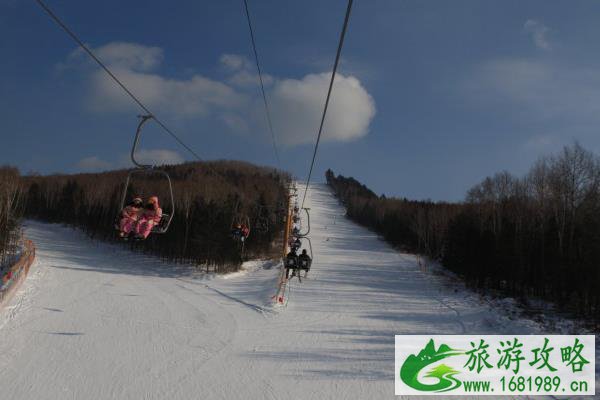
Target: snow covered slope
{"points": [[94, 321]]}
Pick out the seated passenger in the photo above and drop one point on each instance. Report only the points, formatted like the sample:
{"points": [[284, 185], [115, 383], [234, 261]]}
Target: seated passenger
{"points": [[236, 232], [151, 215], [129, 217], [291, 262], [245, 232], [304, 260], [295, 244]]}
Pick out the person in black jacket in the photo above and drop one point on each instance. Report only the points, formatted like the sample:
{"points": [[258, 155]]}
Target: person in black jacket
{"points": [[304, 261], [291, 262]]}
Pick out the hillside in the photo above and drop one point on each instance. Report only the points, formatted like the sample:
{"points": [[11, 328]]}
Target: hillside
{"points": [[208, 199]]}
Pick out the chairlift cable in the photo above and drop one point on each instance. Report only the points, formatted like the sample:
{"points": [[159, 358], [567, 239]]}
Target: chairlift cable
{"points": [[335, 66], [262, 86]]}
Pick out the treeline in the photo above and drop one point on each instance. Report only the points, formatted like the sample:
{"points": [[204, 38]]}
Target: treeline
{"points": [[10, 211], [209, 197], [413, 226], [536, 235]]}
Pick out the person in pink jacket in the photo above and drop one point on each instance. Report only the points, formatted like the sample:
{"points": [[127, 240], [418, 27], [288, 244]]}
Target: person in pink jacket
{"points": [[129, 217], [151, 215]]}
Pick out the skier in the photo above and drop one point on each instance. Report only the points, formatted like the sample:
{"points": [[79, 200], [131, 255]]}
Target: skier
{"points": [[150, 217], [129, 217]]}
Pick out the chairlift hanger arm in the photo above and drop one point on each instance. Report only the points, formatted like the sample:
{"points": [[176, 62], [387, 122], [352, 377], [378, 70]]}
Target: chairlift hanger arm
{"points": [[308, 223], [138, 132]]}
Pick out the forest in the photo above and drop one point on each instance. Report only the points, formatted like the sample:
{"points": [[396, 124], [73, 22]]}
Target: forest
{"points": [[532, 236], [11, 207], [209, 197]]}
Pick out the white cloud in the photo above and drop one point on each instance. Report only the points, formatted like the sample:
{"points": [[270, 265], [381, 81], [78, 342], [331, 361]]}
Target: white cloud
{"points": [[538, 32], [92, 164], [298, 104]]}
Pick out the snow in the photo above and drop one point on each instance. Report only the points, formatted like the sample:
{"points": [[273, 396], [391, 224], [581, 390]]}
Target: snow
{"points": [[96, 321]]}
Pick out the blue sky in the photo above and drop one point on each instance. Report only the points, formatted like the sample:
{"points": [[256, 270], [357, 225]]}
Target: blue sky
{"points": [[432, 95]]}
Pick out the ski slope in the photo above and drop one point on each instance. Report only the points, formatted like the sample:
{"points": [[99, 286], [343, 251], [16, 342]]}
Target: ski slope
{"points": [[95, 321]]}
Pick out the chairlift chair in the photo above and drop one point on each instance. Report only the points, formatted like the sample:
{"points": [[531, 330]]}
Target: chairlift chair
{"points": [[301, 265], [240, 220], [147, 169]]}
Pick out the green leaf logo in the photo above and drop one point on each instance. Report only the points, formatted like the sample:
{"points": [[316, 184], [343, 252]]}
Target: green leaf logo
{"points": [[413, 365]]}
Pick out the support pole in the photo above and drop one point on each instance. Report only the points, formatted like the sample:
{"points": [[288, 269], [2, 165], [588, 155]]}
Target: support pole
{"points": [[288, 225], [280, 295]]}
